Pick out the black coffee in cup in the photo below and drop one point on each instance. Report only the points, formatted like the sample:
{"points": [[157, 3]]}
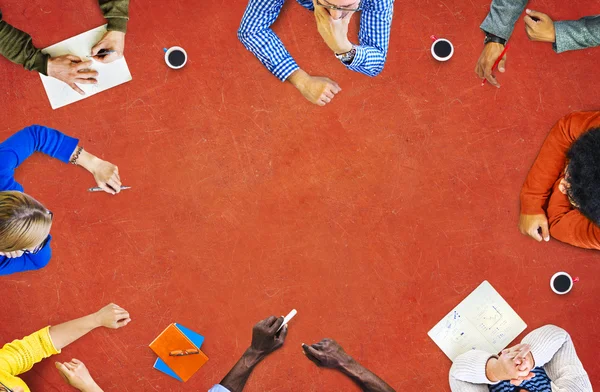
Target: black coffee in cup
{"points": [[176, 58], [562, 283], [442, 49]]}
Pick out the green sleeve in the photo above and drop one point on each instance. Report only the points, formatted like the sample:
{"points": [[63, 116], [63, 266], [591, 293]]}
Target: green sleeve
{"points": [[16, 46], [116, 13]]}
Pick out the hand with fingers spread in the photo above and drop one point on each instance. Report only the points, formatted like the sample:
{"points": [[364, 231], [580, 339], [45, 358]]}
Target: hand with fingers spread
{"points": [[76, 374], [333, 28], [112, 316], [318, 90], [539, 27], [71, 70], [113, 41], [531, 225], [489, 55]]}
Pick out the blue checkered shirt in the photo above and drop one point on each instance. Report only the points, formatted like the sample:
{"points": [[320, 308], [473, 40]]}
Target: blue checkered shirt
{"points": [[374, 36]]}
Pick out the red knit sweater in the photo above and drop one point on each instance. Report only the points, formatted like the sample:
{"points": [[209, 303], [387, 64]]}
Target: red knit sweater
{"points": [[541, 186]]}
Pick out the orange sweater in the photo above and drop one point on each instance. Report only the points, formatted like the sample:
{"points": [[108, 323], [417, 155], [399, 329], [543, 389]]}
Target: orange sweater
{"points": [[541, 186]]}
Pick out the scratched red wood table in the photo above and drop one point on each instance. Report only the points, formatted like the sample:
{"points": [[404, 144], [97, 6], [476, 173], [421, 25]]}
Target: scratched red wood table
{"points": [[373, 216]]}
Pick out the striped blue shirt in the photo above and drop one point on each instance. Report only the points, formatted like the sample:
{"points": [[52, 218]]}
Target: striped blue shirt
{"points": [[374, 36]]}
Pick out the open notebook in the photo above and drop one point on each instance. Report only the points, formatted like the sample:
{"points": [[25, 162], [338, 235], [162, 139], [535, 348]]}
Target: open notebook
{"points": [[482, 321], [109, 75]]}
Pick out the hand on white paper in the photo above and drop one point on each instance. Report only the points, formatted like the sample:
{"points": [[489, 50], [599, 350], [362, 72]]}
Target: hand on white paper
{"points": [[71, 70], [112, 40]]}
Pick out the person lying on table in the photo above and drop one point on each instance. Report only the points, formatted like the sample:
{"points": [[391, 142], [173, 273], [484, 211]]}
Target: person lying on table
{"points": [[24, 222], [327, 353], [565, 177], [17, 46], [332, 17], [19, 356], [500, 22], [545, 361]]}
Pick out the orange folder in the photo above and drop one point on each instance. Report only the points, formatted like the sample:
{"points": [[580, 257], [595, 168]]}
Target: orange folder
{"points": [[172, 339]]}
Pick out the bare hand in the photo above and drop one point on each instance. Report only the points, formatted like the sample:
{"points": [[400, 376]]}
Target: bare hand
{"points": [[539, 27], [333, 29], [107, 176], [327, 353], [13, 254], [70, 69], [318, 90], [265, 338], [112, 40], [489, 55], [512, 364], [77, 375], [531, 224], [112, 316]]}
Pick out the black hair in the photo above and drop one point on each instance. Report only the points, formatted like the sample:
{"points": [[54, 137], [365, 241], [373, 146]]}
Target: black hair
{"points": [[583, 174]]}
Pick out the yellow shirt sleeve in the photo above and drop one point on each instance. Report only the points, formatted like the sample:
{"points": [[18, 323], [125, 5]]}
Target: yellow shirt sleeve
{"points": [[20, 355]]}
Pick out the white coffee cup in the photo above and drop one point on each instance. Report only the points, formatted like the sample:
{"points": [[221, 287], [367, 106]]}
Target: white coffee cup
{"points": [[171, 50], [565, 278], [442, 41]]}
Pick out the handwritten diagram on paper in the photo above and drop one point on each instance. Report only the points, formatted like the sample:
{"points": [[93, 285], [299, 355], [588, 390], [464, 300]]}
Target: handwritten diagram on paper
{"points": [[109, 75], [482, 321]]}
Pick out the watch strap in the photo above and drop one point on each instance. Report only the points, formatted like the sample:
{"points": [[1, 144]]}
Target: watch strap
{"points": [[493, 38]]}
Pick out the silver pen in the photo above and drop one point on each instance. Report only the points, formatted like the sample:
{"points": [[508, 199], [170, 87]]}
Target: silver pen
{"points": [[98, 189]]}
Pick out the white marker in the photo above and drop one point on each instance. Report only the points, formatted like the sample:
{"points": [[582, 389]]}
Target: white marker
{"points": [[287, 319]]}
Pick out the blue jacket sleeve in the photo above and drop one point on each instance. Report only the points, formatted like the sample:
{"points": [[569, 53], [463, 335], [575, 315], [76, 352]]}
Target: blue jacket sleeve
{"points": [[18, 147], [27, 262]]}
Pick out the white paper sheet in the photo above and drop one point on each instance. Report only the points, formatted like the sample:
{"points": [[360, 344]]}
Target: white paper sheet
{"points": [[482, 321], [109, 75]]}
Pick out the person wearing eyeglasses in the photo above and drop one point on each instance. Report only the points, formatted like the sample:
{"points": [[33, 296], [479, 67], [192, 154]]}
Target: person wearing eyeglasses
{"points": [[19, 356], [498, 26], [545, 361], [17, 47], [560, 196], [332, 18], [267, 337], [24, 222]]}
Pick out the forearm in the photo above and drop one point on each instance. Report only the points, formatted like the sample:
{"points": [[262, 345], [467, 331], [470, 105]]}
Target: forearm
{"points": [[502, 17], [85, 159], [66, 333], [577, 34], [364, 378], [18, 47], [237, 377], [116, 12]]}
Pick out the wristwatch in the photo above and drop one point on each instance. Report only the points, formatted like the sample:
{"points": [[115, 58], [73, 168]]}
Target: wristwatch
{"points": [[347, 57], [489, 37]]}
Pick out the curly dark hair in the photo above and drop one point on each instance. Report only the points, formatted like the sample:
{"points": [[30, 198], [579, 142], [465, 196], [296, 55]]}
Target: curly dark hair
{"points": [[583, 174]]}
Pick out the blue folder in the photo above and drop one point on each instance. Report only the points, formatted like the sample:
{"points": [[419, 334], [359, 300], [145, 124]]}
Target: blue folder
{"points": [[195, 338]]}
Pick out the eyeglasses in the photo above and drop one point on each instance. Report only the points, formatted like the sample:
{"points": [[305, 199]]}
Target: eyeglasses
{"points": [[181, 353], [4, 388], [336, 8], [38, 248]]}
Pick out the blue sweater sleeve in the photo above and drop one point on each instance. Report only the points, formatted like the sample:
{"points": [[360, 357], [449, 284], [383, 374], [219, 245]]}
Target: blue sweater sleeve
{"points": [[18, 147], [27, 262]]}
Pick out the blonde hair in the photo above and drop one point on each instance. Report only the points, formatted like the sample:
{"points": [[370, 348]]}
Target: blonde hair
{"points": [[24, 221]]}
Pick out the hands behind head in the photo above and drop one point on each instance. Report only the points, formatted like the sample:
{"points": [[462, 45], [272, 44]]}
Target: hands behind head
{"points": [[327, 353], [112, 40], [514, 364], [70, 69], [531, 225], [265, 338], [112, 316], [76, 375], [539, 27]]}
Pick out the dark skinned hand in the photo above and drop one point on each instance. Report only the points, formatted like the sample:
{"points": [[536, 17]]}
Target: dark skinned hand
{"points": [[327, 353], [265, 338]]}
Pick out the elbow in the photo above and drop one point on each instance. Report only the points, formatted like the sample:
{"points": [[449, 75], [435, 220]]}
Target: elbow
{"points": [[243, 35]]}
